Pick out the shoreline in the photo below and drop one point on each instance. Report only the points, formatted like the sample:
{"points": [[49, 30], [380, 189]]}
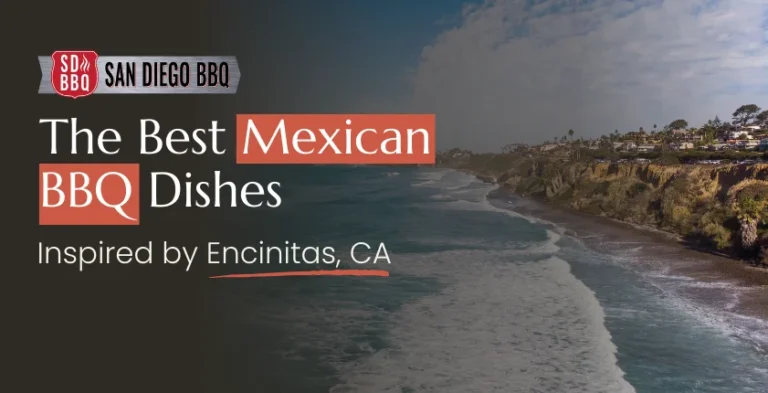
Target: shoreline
{"points": [[743, 263], [714, 278]]}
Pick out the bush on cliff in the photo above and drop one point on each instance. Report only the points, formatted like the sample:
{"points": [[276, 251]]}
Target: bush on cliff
{"points": [[504, 162], [668, 159], [637, 188], [717, 235], [601, 154], [696, 155], [711, 227], [676, 207], [615, 202], [530, 186]]}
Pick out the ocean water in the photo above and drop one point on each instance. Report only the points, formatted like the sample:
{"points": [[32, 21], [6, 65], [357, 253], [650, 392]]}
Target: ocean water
{"points": [[480, 299]]}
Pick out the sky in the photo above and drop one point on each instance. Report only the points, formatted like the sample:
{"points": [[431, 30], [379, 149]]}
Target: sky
{"points": [[502, 71]]}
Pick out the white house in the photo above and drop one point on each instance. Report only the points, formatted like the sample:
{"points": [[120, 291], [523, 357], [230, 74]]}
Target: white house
{"points": [[684, 146], [738, 134], [753, 127], [751, 144], [719, 146], [694, 137], [548, 147]]}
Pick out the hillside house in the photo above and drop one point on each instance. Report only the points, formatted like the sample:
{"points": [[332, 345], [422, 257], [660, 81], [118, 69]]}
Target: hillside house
{"points": [[683, 146], [751, 144], [738, 134], [693, 137], [548, 147], [718, 146], [636, 136], [594, 144], [646, 148]]}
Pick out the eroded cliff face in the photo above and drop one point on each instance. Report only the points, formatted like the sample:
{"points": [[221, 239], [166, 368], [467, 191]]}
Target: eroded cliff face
{"points": [[695, 201]]}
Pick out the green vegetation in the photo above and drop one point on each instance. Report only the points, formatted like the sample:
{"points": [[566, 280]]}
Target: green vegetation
{"points": [[677, 135], [750, 204], [678, 124], [671, 158], [720, 207], [745, 113]]}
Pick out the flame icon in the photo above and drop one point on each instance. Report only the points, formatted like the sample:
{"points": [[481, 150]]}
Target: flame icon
{"points": [[85, 65]]}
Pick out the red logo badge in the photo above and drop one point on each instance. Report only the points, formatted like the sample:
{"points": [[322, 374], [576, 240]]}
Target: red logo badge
{"points": [[75, 73]]}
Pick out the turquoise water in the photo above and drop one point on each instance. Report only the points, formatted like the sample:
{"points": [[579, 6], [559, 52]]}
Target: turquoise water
{"points": [[481, 299]]}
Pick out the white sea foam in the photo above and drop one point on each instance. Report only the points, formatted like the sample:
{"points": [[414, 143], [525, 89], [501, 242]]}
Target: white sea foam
{"points": [[443, 179], [431, 174], [498, 326], [509, 320], [427, 177], [441, 197], [752, 330], [744, 328], [685, 294], [454, 189], [467, 205], [486, 205]]}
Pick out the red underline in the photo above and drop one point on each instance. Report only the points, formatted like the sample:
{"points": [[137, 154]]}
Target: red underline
{"points": [[343, 272]]}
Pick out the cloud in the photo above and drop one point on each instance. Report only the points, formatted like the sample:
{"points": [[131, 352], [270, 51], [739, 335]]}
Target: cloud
{"points": [[528, 71]]}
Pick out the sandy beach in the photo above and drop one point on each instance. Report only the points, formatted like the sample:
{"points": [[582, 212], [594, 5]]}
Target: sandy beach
{"points": [[724, 288]]}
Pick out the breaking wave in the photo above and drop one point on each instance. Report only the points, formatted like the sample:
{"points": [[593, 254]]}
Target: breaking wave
{"points": [[508, 319]]}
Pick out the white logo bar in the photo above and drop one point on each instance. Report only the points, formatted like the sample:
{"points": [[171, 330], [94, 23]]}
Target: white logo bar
{"points": [[157, 75]]}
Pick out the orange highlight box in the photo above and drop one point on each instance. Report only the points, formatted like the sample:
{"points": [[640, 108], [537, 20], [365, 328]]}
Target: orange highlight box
{"points": [[89, 194], [336, 139]]}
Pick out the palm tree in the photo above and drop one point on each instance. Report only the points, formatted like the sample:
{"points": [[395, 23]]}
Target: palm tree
{"points": [[570, 134], [665, 139], [749, 214]]}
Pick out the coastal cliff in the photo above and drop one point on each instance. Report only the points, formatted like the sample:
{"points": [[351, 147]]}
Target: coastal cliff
{"points": [[720, 208]]}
